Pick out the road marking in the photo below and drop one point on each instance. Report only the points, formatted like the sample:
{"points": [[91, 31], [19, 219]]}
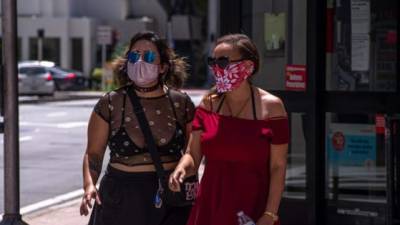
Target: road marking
{"points": [[25, 138], [56, 114], [55, 125], [33, 124], [21, 139], [72, 125]]}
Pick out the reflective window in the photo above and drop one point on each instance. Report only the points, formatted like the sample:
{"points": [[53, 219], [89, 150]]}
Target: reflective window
{"points": [[355, 152], [362, 52], [278, 29], [295, 185]]}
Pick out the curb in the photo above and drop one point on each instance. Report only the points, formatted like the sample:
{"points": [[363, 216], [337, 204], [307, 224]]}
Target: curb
{"points": [[51, 202]]}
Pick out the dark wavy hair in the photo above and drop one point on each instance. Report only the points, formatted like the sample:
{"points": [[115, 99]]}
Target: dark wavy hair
{"points": [[176, 73]]}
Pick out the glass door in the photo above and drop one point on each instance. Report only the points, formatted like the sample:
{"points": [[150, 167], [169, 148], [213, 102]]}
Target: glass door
{"points": [[361, 133], [393, 169], [356, 162]]}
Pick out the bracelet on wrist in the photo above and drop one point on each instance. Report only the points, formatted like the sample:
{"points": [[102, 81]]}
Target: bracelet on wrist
{"points": [[272, 215]]}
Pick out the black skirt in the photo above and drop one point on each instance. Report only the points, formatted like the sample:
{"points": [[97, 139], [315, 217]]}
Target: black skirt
{"points": [[128, 199]]}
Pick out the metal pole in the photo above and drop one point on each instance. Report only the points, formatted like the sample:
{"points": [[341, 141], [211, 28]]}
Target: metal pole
{"points": [[40, 48], [11, 130]]}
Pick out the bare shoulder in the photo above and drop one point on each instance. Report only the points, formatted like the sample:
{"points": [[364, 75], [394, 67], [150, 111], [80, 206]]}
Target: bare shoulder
{"points": [[210, 101], [273, 104]]}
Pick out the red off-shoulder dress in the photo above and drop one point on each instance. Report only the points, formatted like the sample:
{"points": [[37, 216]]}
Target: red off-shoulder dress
{"points": [[236, 176]]}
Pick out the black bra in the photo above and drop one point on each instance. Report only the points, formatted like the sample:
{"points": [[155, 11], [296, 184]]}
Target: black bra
{"points": [[121, 145]]}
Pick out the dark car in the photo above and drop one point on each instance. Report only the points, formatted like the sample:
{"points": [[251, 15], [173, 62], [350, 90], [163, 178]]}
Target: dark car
{"points": [[66, 79]]}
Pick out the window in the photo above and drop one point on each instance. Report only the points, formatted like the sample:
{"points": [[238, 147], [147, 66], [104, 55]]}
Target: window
{"points": [[51, 49], [355, 152], [77, 53], [295, 185], [364, 53]]}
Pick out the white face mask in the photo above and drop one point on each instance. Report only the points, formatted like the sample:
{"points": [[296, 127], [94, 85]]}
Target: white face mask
{"points": [[142, 73]]}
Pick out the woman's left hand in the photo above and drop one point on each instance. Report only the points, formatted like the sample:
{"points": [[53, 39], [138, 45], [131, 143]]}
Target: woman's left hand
{"points": [[265, 220]]}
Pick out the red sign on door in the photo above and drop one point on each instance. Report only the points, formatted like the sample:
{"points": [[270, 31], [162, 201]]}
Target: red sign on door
{"points": [[380, 124], [295, 77]]}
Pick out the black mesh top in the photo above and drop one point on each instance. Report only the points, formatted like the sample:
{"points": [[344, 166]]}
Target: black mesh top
{"points": [[167, 115]]}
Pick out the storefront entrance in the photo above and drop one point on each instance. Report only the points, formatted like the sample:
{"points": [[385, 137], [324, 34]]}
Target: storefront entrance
{"points": [[335, 64]]}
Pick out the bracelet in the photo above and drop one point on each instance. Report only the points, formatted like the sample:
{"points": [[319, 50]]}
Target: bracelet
{"points": [[272, 215]]}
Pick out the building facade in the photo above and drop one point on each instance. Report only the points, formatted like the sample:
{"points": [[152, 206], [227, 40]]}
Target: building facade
{"points": [[335, 64], [69, 28]]}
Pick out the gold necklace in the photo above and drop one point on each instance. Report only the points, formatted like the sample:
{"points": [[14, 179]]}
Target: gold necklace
{"points": [[241, 108]]}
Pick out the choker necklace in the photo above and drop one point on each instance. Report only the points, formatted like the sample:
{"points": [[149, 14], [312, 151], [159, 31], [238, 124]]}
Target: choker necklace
{"points": [[146, 89]]}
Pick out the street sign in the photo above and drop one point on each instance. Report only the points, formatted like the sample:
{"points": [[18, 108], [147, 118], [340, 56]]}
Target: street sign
{"points": [[104, 35]]}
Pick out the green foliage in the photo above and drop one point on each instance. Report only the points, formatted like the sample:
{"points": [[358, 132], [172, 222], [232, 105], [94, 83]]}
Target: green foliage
{"points": [[119, 50]]}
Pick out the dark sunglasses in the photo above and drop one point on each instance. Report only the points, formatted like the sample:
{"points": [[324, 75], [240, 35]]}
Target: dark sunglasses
{"points": [[147, 56], [222, 62]]}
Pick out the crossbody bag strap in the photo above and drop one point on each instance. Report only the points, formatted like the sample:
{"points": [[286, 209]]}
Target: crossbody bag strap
{"points": [[148, 136]]}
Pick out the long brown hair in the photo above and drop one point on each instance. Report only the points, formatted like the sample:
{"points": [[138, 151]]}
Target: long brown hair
{"points": [[176, 74], [247, 50]]}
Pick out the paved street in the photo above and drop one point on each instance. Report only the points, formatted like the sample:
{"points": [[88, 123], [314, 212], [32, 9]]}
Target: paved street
{"points": [[52, 143]]}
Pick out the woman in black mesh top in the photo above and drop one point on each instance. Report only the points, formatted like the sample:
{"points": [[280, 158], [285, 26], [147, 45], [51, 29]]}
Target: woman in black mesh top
{"points": [[127, 193]]}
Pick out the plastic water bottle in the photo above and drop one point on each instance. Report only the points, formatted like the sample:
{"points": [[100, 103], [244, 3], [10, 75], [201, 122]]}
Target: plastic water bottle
{"points": [[243, 219]]}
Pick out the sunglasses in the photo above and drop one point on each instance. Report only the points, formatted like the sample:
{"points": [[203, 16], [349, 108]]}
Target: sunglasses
{"points": [[222, 62], [147, 56]]}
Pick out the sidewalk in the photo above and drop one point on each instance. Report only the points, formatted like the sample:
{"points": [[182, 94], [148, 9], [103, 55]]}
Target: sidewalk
{"points": [[64, 214]]}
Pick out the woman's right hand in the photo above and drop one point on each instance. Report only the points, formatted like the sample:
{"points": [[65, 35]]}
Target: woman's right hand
{"points": [[176, 179], [86, 204]]}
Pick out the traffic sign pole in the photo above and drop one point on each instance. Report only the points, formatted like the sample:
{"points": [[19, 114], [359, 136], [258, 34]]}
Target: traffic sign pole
{"points": [[11, 215], [104, 38]]}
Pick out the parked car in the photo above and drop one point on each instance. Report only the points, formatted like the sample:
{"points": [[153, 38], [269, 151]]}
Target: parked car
{"points": [[34, 79], [64, 79]]}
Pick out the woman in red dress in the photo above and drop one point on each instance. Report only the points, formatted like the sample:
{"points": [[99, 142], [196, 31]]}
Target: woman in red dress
{"points": [[243, 133]]}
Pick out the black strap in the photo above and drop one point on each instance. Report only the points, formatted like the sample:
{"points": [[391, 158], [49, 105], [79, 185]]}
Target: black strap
{"points": [[123, 111], [253, 103], [148, 136], [220, 104]]}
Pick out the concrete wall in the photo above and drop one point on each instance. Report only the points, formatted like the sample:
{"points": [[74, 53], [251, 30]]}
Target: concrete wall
{"points": [[66, 19], [150, 8], [128, 28], [299, 32], [27, 7], [106, 10], [47, 8], [64, 29]]}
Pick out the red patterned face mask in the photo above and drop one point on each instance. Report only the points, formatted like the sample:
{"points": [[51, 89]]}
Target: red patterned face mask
{"points": [[232, 76]]}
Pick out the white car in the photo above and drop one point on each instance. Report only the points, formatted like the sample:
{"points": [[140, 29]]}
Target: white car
{"points": [[34, 78]]}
